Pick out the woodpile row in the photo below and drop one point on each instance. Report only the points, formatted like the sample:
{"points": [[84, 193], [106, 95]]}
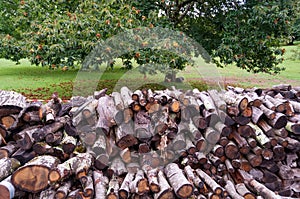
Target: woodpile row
{"points": [[234, 143]]}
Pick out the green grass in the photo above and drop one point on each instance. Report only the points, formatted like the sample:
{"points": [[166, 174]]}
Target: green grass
{"points": [[40, 82]]}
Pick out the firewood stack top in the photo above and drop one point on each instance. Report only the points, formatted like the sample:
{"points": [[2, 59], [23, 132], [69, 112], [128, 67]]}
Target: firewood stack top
{"points": [[234, 143]]}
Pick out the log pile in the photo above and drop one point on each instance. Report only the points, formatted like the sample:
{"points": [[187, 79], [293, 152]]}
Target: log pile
{"points": [[234, 143]]}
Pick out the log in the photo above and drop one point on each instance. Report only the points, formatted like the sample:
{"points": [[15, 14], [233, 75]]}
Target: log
{"points": [[215, 187], [23, 156], [212, 136], [7, 189], [33, 176], [126, 96], [230, 188], [243, 191], [222, 128], [279, 121], [25, 139], [182, 187], [124, 190], [8, 149], [63, 191], [220, 104], [113, 188], [231, 150], [152, 176], [261, 138], [106, 110], [165, 189], [68, 143], [117, 167], [100, 183], [244, 148], [88, 186], [293, 128], [140, 184], [40, 134], [8, 166], [125, 136], [270, 114], [260, 188]]}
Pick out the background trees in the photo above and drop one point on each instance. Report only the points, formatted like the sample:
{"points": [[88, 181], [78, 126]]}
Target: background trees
{"points": [[248, 33]]}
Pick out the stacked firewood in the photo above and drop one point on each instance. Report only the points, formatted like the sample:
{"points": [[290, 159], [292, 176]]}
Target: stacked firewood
{"points": [[234, 143]]}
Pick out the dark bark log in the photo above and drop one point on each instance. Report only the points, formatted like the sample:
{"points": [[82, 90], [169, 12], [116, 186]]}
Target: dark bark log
{"points": [[125, 136], [279, 121], [23, 156], [8, 149], [244, 148], [212, 136], [40, 134], [270, 114], [231, 150], [223, 129]]}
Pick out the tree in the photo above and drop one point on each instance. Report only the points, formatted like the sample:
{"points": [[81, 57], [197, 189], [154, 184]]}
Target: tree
{"points": [[248, 33]]}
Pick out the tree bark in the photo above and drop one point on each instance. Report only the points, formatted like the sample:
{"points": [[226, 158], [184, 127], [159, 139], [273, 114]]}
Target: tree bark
{"points": [[100, 183], [8, 166]]}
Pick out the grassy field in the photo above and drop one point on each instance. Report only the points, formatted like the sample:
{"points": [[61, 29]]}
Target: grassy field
{"points": [[39, 82]]}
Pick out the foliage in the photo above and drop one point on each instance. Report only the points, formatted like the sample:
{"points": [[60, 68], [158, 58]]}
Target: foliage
{"points": [[62, 33]]}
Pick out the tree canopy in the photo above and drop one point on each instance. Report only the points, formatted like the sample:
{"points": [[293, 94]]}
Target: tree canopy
{"points": [[60, 33]]}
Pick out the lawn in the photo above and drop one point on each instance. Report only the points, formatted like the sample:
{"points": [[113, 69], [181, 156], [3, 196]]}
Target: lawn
{"points": [[40, 82]]}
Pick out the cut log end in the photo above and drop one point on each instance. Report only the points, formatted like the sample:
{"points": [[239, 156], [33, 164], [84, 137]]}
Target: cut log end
{"points": [[32, 178], [185, 191]]}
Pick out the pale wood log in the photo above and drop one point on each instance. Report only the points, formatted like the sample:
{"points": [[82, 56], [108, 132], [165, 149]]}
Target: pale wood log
{"points": [[126, 96], [182, 187], [254, 160], [229, 166], [74, 194], [216, 188], [230, 188], [63, 191], [219, 103], [256, 114], [243, 191], [296, 105], [124, 191], [211, 135], [8, 166], [32, 177], [222, 128], [252, 142], [207, 101], [262, 139], [68, 143], [152, 176], [99, 94], [117, 167], [48, 193], [113, 188], [267, 154], [165, 189], [277, 103], [140, 184], [88, 186], [25, 138], [100, 183], [142, 126], [106, 110], [215, 161]]}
